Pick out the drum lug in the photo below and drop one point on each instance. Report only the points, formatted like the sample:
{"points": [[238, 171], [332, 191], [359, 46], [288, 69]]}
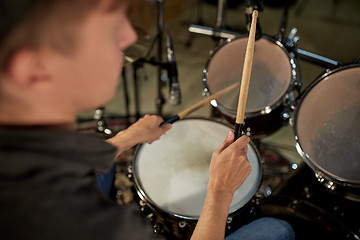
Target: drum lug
{"points": [[297, 86], [150, 217], [142, 203], [228, 222], [288, 99], [319, 177], [247, 131], [330, 185], [327, 183], [206, 92], [182, 224], [287, 102], [158, 229], [148, 214], [291, 121], [307, 192], [144, 208], [130, 172], [285, 116], [294, 204], [263, 192]]}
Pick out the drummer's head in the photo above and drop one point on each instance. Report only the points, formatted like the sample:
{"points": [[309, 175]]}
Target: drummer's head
{"points": [[60, 38]]}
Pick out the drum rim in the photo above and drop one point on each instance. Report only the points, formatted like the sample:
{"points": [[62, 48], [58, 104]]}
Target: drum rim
{"points": [[142, 194], [315, 167], [270, 107]]}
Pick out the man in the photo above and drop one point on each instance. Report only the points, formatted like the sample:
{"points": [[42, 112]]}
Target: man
{"points": [[59, 57]]}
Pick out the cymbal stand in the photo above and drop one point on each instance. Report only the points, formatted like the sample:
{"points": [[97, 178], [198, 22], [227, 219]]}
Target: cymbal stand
{"points": [[281, 34], [251, 6], [199, 17], [221, 15], [290, 44], [219, 31]]}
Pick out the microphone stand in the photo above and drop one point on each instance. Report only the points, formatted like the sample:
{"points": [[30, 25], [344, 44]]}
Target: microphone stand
{"points": [[156, 61], [101, 125], [159, 101], [159, 61]]}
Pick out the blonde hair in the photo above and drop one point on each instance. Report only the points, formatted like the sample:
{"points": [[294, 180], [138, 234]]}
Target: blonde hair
{"points": [[50, 23]]}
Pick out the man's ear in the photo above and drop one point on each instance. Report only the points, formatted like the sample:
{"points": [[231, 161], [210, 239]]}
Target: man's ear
{"points": [[26, 68]]}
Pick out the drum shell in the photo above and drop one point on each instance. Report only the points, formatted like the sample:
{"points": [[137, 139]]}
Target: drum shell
{"points": [[179, 225], [313, 212], [348, 187], [269, 114]]}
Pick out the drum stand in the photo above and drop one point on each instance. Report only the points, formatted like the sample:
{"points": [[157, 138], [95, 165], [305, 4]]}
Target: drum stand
{"points": [[290, 44]]}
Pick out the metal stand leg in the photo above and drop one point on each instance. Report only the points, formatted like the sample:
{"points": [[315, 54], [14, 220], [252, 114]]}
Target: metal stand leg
{"points": [[136, 66], [126, 96], [221, 15], [199, 17], [159, 101]]}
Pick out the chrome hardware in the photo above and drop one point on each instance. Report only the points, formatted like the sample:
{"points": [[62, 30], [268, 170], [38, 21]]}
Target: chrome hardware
{"points": [[182, 224], [330, 185]]}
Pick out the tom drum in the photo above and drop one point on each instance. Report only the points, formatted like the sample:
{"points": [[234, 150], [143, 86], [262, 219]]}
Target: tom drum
{"points": [[272, 82]]}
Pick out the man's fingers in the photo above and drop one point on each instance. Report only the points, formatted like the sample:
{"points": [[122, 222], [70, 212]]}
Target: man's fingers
{"points": [[242, 142], [166, 126], [227, 142]]}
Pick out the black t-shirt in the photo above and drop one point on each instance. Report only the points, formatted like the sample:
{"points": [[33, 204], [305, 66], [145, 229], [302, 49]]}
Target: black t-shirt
{"points": [[48, 189]]}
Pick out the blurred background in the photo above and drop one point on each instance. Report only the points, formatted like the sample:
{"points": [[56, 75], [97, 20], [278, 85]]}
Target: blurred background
{"points": [[328, 28]]}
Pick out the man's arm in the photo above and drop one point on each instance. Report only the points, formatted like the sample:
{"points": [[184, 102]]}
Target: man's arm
{"points": [[228, 169], [145, 130]]}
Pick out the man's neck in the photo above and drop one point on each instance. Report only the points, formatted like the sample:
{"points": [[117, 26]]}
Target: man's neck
{"points": [[36, 117]]}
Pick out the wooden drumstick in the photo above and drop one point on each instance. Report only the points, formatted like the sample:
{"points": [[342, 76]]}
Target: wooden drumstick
{"points": [[249, 54], [200, 104]]}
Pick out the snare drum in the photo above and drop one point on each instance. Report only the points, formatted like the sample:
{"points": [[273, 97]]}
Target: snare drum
{"points": [[327, 130], [171, 175], [272, 82]]}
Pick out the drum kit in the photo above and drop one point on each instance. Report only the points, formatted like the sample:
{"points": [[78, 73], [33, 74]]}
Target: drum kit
{"points": [[321, 199]]}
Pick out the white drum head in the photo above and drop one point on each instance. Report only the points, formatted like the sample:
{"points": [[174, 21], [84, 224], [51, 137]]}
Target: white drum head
{"points": [[172, 172]]}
